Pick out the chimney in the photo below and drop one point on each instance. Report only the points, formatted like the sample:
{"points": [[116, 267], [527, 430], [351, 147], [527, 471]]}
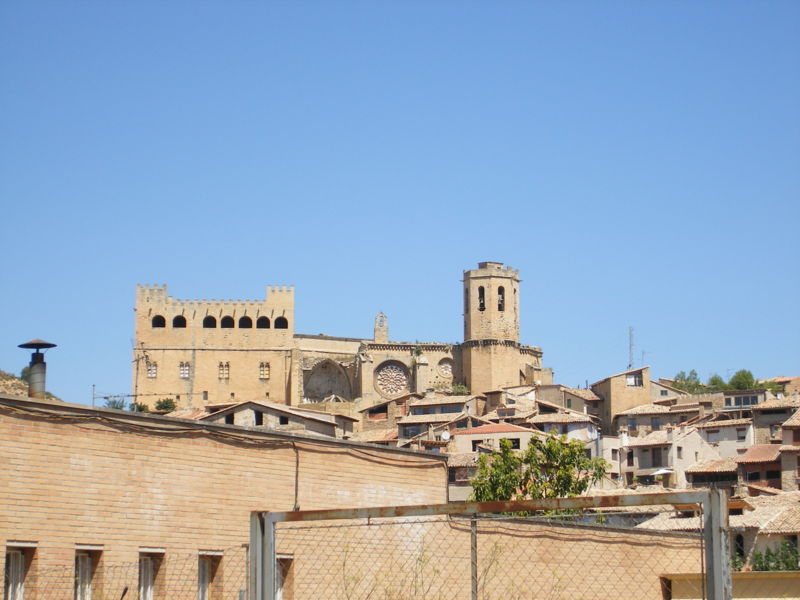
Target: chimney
{"points": [[37, 374]]}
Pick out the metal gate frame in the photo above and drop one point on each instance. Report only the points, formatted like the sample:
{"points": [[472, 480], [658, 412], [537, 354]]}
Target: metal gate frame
{"points": [[713, 503]]}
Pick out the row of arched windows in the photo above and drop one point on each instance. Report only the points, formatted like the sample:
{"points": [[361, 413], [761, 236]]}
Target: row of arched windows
{"points": [[226, 322]]}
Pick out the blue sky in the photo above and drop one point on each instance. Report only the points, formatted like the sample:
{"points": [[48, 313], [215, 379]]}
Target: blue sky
{"points": [[638, 162]]}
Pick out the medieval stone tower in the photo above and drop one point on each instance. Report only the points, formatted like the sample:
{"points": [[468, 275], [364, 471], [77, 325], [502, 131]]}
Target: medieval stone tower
{"points": [[491, 348]]}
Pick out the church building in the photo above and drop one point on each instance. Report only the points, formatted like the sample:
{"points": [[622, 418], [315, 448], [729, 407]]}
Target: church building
{"points": [[202, 353]]}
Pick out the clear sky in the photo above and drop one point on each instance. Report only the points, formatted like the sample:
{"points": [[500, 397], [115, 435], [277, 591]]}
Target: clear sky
{"points": [[638, 162]]}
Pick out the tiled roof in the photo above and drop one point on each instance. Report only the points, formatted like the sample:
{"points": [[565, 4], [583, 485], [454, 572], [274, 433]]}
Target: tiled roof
{"points": [[793, 421], [785, 402], [463, 459], [620, 374], [559, 418], [519, 413], [493, 428], [786, 522], [723, 423], [188, 413], [437, 418], [375, 435], [584, 393], [659, 409], [758, 453], [725, 465]]}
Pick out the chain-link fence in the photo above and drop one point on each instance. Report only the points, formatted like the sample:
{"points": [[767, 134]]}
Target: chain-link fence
{"points": [[213, 575], [566, 548]]}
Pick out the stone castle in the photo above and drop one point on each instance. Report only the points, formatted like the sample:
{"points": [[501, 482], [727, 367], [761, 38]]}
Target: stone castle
{"points": [[201, 353]]}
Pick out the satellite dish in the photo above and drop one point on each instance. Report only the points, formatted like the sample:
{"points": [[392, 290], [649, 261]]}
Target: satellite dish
{"points": [[445, 435]]}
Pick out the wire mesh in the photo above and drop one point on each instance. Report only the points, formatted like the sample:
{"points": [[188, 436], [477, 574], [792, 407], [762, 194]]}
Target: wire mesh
{"points": [[579, 555]]}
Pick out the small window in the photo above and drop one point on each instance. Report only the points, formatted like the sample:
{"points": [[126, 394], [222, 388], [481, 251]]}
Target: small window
{"points": [[614, 454], [631, 424], [379, 413], [148, 574], [245, 323], [224, 369], [207, 567], [481, 299], [664, 392], [262, 323], [83, 576], [226, 323], [17, 560], [179, 322], [773, 474], [753, 476], [501, 298], [263, 370], [209, 322], [281, 323], [569, 402], [283, 420], [152, 370], [634, 379], [229, 419], [258, 418], [680, 451], [738, 545], [514, 443], [184, 370], [630, 458], [741, 435], [159, 321], [655, 423]]}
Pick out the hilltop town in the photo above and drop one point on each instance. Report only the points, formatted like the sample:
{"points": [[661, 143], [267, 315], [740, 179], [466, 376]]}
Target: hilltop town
{"points": [[234, 411]]}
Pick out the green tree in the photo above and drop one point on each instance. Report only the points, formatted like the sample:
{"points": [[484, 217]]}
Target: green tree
{"points": [[459, 389], [25, 374], [784, 558], [688, 383], [550, 467], [167, 404], [118, 403], [139, 407], [716, 384], [742, 380]]}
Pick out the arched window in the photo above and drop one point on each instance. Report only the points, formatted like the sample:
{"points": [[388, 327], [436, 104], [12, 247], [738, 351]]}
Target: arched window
{"points": [[481, 299], [739, 545], [226, 323], [281, 323], [159, 321], [262, 323], [209, 322], [501, 298], [179, 321], [245, 323]]}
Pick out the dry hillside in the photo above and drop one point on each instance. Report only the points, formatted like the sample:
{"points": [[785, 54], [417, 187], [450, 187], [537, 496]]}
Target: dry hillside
{"points": [[11, 384]]}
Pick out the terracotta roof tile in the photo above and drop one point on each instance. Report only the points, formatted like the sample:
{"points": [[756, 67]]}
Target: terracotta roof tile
{"points": [[659, 409], [725, 465], [787, 522], [375, 435], [728, 423], [585, 394], [463, 459], [559, 418], [440, 399], [793, 421], [760, 453], [493, 428], [785, 402]]}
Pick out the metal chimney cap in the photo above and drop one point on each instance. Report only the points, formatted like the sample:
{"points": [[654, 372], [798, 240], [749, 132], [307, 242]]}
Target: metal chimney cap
{"points": [[37, 344]]}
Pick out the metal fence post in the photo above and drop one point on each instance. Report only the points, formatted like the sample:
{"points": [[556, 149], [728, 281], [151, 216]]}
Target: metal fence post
{"points": [[473, 552], [263, 558], [715, 534]]}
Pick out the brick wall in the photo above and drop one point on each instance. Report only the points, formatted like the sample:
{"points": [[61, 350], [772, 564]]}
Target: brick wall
{"points": [[121, 483]]}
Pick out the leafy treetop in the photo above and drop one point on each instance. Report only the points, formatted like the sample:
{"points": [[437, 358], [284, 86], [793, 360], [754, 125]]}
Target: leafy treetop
{"points": [[550, 467]]}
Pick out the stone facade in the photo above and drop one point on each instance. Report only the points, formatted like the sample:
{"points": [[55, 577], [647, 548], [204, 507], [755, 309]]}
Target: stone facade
{"points": [[202, 352]]}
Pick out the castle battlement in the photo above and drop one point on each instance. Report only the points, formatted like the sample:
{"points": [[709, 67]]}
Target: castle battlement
{"points": [[282, 296]]}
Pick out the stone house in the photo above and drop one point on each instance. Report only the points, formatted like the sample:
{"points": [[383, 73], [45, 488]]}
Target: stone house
{"points": [[769, 416], [621, 392], [731, 437], [643, 419], [488, 437], [280, 417]]}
